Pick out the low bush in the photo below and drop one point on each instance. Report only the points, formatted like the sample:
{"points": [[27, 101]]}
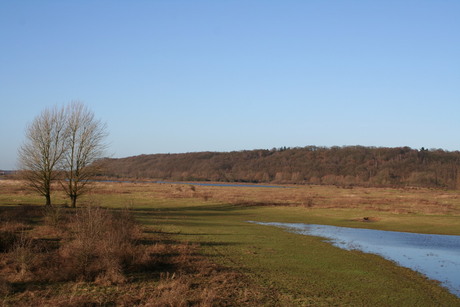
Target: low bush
{"points": [[92, 244], [7, 240], [22, 255], [5, 287], [101, 246]]}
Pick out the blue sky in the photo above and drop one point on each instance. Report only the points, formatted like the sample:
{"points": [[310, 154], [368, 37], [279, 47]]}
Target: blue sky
{"points": [[183, 76]]}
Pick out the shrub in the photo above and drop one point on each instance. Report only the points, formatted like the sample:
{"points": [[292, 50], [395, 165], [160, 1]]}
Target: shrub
{"points": [[22, 255], [102, 245], [7, 240], [171, 291], [14, 220], [5, 287], [53, 215]]}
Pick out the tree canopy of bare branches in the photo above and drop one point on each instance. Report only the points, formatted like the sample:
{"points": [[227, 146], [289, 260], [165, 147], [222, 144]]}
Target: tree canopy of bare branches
{"points": [[84, 145], [42, 152], [62, 143]]}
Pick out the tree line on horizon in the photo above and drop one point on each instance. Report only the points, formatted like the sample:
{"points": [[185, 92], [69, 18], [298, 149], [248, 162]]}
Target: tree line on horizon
{"points": [[344, 166]]}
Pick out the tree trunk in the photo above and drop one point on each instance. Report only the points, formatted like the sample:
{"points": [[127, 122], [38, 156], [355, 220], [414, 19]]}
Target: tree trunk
{"points": [[74, 200], [48, 200]]}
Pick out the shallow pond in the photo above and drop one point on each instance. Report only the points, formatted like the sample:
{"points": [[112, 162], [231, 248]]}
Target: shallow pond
{"points": [[436, 256]]}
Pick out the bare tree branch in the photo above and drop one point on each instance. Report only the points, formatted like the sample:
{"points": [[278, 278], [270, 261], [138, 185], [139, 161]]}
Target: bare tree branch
{"points": [[85, 145], [41, 153], [62, 142]]}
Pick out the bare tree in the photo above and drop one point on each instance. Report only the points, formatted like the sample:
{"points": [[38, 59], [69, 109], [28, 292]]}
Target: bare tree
{"points": [[42, 152], [85, 144]]}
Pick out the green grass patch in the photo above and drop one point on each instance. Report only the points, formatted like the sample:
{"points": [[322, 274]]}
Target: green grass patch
{"points": [[302, 269]]}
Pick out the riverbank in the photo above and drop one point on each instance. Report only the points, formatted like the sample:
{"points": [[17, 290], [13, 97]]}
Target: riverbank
{"points": [[435, 256]]}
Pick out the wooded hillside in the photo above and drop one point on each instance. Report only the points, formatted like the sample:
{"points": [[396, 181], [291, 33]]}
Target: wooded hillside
{"points": [[350, 165]]}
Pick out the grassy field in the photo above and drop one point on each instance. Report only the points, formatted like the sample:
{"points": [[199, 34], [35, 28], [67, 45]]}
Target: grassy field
{"points": [[212, 256]]}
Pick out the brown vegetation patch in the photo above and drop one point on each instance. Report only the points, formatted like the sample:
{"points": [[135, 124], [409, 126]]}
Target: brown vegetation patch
{"points": [[403, 200], [102, 257]]}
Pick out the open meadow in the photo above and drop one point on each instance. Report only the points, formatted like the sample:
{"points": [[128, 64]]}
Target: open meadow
{"points": [[188, 244]]}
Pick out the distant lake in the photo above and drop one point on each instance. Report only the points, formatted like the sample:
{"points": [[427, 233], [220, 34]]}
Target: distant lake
{"points": [[208, 184], [243, 185], [436, 256]]}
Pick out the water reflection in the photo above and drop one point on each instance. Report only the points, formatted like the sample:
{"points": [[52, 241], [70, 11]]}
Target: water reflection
{"points": [[436, 256]]}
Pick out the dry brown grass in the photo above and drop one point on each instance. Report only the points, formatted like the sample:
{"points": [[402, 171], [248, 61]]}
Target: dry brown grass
{"points": [[101, 244], [393, 200], [102, 257], [97, 256]]}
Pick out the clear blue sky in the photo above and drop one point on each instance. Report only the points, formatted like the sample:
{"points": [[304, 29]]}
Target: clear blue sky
{"points": [[182, 76]]}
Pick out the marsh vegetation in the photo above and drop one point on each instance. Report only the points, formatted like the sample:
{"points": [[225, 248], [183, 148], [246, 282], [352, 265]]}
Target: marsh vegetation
{"points": [[189, 245]]}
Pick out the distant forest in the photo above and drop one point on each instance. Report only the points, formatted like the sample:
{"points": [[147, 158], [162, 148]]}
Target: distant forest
{"points": [[344, 166]]}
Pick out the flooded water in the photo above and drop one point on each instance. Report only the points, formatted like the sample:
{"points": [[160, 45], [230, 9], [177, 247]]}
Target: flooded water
{"points": [[435, 256], [237, 185], [208, 184]]}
